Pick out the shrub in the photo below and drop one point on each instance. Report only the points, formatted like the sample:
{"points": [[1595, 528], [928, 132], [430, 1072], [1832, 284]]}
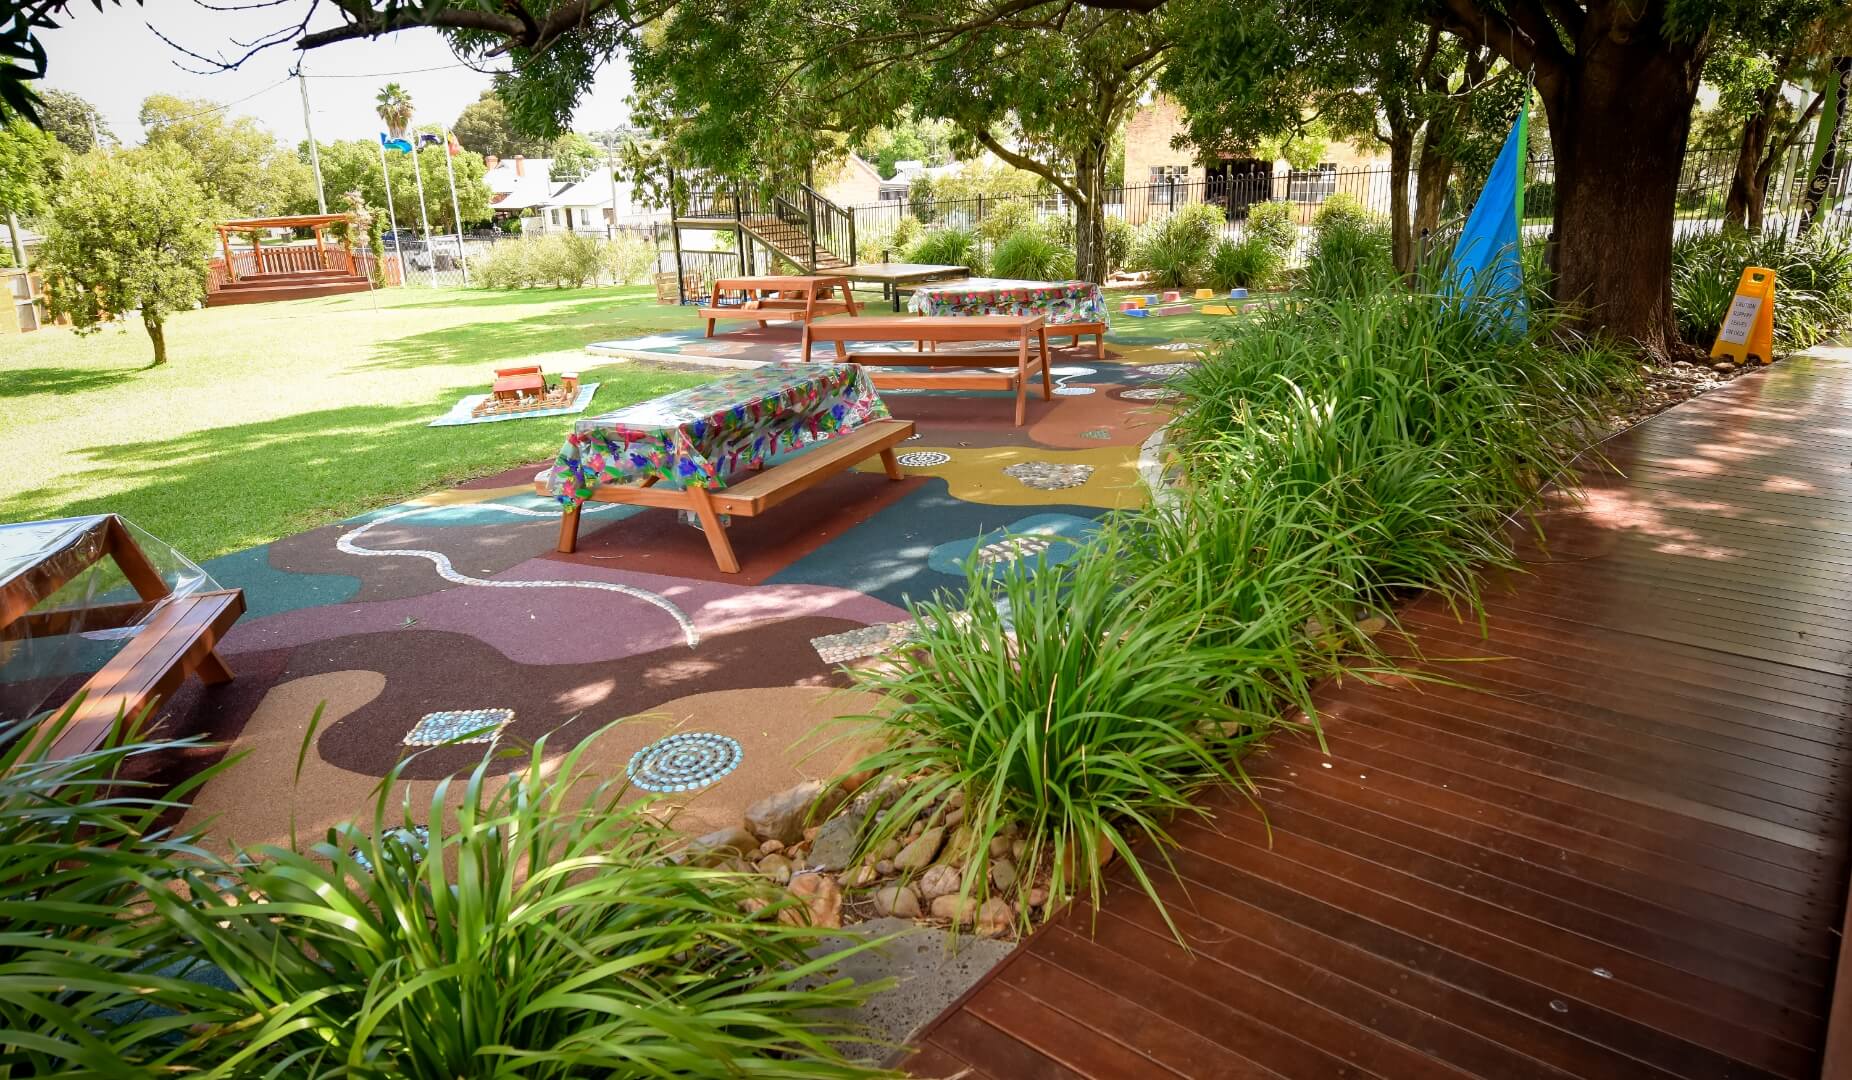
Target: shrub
{"points": [[894, 240], [1175, 248], [1250, 264], [631, 260], [1029, 253], [949, 247], [1813, 276], [1003, 217], [1063, 706], [1351, 253], [564, 261], [1272, 223], [1119, 239]]}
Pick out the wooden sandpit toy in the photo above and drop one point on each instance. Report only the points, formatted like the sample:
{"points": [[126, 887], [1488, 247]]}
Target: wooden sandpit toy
{"points": [[525, 389]]}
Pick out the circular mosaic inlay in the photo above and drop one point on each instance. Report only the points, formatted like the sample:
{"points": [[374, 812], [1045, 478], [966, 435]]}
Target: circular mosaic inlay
{"points": [[1073, 391], [1154, 393], [684, 761], [1166, 370], [924, 459]]}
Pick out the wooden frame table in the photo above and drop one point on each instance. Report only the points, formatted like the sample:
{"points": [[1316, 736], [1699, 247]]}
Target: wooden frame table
{"points": [[945, 329], [893, 276], [1067, 305], [798, 299], [176, 636]]}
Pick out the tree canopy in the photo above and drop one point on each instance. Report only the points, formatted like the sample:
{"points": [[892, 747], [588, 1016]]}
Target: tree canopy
{"points": [[74, 122], [242, 167], [485, 127], [127, 232], [353, 165]]}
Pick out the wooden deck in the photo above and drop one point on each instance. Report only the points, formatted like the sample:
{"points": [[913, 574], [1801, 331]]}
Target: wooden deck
{"points": [[1621, 853]]}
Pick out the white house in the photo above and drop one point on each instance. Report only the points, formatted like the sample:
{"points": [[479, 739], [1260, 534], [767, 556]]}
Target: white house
{"points": [[520, 187]]}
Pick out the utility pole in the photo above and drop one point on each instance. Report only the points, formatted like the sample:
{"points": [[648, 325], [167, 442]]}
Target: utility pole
{"points": [[610, 172], [96, 137], [315, 156]]}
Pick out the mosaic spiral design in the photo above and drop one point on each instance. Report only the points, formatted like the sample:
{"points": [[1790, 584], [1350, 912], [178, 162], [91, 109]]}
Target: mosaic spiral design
{"points": [[683, 761], [416, 839], [924, 459], [1156, 393]]}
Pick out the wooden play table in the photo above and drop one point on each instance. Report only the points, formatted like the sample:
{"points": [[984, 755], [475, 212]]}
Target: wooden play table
{"points": [[1024, 332], [776, 298]]}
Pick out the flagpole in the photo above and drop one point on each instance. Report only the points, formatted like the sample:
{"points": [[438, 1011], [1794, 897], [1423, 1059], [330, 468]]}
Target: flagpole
{"points": [[391, 214], [456, 214], [424, 219]]}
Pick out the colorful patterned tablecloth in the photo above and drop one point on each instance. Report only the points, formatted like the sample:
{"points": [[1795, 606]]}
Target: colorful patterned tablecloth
{"points": [[1057, 301], [706, 434]]}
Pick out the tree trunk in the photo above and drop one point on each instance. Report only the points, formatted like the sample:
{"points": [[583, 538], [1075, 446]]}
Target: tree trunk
{"points": [[19, 245], [1619, 120], [1432, 172], [157, 334], [1090, 216], [1743, 206], [1401, 159]]}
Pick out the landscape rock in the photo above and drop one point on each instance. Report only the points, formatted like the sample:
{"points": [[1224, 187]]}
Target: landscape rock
{"points": [[995, 917], [1723, 367], [858, 877], [717, 847], [782, 816], [921, 851], [1037, 897], [771, 847], [776, 867], [897, 901], [884, 867], [958, 846], [1017, 847], [835, 843], [822, 898], [1003, 875], [939, 880], [954, 817], [890, 847], [999, 846], [958, 909]]}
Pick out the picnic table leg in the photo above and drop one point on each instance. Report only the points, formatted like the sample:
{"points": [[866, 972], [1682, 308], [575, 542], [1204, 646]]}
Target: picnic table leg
{"points": [[212, 670], [1048, 383], [1022, 379], [703, 505], [569, 529], [806, 343], [892, 465]]}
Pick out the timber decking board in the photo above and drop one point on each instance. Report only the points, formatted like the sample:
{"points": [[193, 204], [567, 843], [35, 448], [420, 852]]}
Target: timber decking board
{"points": [[1608, 837]]}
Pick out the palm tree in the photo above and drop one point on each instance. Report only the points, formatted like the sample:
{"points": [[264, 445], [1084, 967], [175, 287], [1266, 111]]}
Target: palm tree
{"points": [[395, 108]]}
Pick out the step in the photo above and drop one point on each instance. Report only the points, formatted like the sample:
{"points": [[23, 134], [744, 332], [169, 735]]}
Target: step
{"points": [[299, 291]]}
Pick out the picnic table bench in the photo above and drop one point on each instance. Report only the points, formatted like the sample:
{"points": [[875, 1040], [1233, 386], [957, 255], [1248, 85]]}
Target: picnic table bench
{"points": [[765, 299], [1023, 331], [717, 446], [175, 635]]}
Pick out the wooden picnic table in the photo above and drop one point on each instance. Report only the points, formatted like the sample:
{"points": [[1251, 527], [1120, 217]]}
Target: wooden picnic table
{"points": [[935, 330], [774, 297], [893, 276], [169, 635]]}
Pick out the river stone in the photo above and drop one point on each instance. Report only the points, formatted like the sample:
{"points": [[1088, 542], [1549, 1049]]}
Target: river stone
{"points": [[1003, 875], [776, 867], [958, 909], [834, 845], [719, 846], [822, 898], [897, 901], [782, 816], [939, 880], [921, 851], [995, 916]]}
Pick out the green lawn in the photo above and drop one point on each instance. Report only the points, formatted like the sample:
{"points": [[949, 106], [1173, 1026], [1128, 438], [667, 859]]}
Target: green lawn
{"points": [[274, 418]]}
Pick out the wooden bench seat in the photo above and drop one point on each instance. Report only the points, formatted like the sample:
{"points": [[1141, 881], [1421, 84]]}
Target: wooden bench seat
{"points": [[1028, 333], [178, 641], [753, 495]]}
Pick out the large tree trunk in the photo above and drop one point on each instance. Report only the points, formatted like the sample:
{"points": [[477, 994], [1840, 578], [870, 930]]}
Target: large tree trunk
{"points": [[1401, 161], [1432, 172], [1619, 120], [1743, 206], [157, 334], [1090, 216]]}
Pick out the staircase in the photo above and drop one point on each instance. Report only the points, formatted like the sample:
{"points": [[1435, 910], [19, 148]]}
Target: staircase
{"points": [[801, 226], [288, 285]]}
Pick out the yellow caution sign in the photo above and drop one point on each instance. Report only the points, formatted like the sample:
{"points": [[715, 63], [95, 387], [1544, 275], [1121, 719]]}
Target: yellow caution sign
{"points": [[1748, 331]]}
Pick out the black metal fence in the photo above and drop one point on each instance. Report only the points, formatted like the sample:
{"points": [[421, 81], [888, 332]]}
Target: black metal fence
{"points": [[1704, 185]]}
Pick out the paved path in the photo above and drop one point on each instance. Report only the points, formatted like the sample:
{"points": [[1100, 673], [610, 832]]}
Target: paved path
{"points": [[1621, 853]]}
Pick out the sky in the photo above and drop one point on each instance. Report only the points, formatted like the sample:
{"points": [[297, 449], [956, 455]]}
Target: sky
{"points": [[112, 59]]}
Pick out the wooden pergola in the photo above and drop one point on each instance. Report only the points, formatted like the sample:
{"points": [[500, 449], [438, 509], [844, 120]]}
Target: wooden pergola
{"points": [[316, 222]]}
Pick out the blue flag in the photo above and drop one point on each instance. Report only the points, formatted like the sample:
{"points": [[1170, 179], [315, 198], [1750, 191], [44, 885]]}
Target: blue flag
{"points": [[400, 145], [1487, 264]]}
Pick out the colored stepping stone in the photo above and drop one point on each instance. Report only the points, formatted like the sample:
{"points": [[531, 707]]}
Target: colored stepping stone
{"points": [[1139, 313], [1174, 309], [1205, 294], [1151, 299], [1171, 296], [1237, 294], [1131, 305]]}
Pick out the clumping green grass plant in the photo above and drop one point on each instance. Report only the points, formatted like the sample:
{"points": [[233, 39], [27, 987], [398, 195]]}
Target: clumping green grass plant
{"points": [[1351, 252], [1337, 455], [1813, 275], [949, 247], [1272, 224], [1118, 240], [1250, 263], [1030, 253], [1175, 248]]}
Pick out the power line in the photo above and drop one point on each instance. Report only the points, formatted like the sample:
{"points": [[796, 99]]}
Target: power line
{"points": [[227, 105], [393, 74]]}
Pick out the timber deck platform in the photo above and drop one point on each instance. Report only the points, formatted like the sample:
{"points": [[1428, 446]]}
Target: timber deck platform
{"points": [[1619, 849]]}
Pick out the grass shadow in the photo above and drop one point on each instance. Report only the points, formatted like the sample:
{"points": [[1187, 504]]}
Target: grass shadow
{"points": [[559, 327], [26, 382]]}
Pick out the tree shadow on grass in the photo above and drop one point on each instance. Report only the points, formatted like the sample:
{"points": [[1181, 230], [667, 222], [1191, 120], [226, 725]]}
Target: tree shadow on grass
{"points": [[223, 489], [560, 327], [26, 382], [609, 294]]}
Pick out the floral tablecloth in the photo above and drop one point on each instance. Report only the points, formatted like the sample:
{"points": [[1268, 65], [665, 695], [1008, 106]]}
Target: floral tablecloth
{"points": [[1057, 301], [707, 433]]}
